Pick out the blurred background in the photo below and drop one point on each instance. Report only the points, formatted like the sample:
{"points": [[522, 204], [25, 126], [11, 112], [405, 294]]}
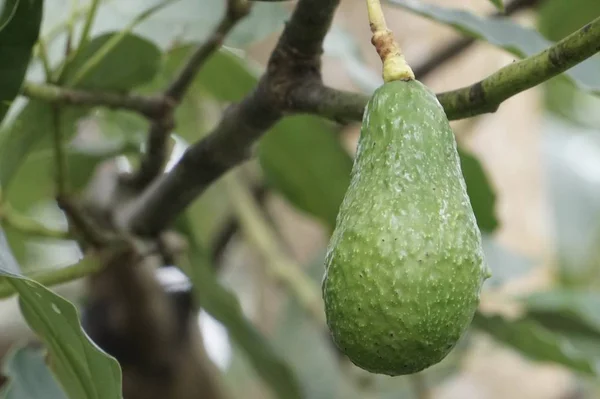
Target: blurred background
{"points": [[533, 171]]}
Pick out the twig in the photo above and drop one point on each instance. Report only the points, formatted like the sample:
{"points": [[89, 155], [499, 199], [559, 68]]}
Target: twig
{"points": [[231, 227], [144, 105], [455, 48], [487, 95], [28, 226], [156, 155], [87, 27], [277, 264], [295, 61], [91, 233], [56, 276], [479, 98], [60, 160]]}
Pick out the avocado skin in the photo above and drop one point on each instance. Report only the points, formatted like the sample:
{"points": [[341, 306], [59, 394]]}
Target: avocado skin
{"points": [[405, 265]]}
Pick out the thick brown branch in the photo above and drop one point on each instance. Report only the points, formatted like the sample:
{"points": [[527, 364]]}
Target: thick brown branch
{"points": [[156, 155], [295, 61]]}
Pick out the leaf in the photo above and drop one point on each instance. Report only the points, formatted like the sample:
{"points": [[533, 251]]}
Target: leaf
{"points": [[504, 33], [566, 310], [480, 191], [190, 21], [21, 22], [555, 20], [224, 307], [83, 370], [132, 62], [499, 4], [304, 160], [536, 342], [29, 376]]}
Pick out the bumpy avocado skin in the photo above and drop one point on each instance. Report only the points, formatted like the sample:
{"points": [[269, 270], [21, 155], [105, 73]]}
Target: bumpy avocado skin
{"points": [[405, 266]]}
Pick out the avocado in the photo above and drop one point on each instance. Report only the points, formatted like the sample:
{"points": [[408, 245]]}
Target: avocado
{"points": [[404, 266]]}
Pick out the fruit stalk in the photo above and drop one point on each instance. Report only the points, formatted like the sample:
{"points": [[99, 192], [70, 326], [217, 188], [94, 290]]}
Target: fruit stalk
{"points": [[395, 66]]}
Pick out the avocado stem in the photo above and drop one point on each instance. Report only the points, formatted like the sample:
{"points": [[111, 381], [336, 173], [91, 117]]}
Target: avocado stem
{"points": [[395, 66]]}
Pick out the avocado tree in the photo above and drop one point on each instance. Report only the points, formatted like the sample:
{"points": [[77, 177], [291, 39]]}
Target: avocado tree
{"points": [[139, 144]]}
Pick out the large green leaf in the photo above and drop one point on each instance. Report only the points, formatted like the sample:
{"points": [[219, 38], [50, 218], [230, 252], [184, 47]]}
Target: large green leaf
{"points": [[303, 159], [536, 342], [130, 63], [20, 29], [29, 376], [499, 4], [480, 191], [504, 33], [224, 307], [83, 370]]}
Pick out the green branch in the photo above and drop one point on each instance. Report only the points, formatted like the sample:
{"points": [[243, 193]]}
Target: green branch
{"points": [[54, 277], [480, 98], [147, 106], [28, 226], [487, 95]]}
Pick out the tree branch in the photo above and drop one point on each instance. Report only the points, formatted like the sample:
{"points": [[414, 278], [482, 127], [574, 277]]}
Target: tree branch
{"points": [[294, 62], [487, 95], [147, 106], [455, 48], [156, 154], [482, 97]]}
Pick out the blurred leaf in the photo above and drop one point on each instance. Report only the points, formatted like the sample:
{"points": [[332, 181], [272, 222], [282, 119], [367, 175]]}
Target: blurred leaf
{"points": [[557, 19], [536, 342], [20, 22], [29, 376], [341, 44], [504, 33], [480, 191], [224, 307], [506, 265], [304, 160], [190, 21], [227, 76], [566, 310], [83, 370], [499, 4], [571, 161], [132, 62]]}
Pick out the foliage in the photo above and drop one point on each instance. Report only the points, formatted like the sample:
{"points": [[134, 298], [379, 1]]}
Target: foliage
{"points": [[133, 48]]}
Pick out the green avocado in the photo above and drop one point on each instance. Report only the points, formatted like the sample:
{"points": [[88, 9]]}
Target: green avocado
{"points": [[405, 265]]}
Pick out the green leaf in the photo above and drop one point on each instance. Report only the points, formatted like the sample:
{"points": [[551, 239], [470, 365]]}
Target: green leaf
{"points": [[21, 22], [566, 310], [504, 33], [132, 62], [304, 160], [29, 376], [555, 20], [224, 307], [499, 4], [190, 21], [536, 342], [83, 370], [480, 191]]}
